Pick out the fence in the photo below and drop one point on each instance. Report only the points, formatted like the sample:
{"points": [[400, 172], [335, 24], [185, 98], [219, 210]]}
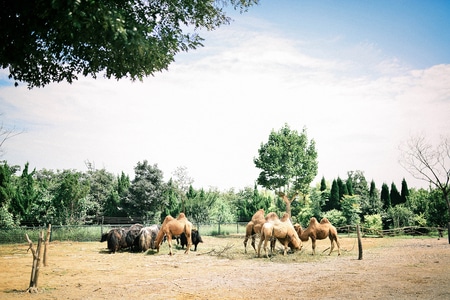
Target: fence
{"points": [[92, 233]]}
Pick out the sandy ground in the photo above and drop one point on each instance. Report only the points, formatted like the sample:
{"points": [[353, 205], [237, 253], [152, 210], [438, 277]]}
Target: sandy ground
{"points": [[391, 268]]}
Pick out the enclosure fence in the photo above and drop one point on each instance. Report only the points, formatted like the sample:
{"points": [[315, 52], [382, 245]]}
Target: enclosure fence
{"points": [[92, 233]]}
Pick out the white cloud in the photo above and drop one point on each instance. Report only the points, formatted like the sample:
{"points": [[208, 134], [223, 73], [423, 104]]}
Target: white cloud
{"points": [[212, 110]]}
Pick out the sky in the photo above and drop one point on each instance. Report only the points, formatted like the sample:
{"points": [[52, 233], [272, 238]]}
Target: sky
{"points": [[361, 76]]}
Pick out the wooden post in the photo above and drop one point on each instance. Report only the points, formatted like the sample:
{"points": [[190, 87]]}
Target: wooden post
{"points": [[47, 240], [360, 250], [33, 287]]}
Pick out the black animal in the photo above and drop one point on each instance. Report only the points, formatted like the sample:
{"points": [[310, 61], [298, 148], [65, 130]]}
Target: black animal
{"points": [[195, 236], [116, 239]]}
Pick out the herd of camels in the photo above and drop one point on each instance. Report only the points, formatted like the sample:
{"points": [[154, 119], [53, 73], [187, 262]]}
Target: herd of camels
{"points": [[270, 228]]}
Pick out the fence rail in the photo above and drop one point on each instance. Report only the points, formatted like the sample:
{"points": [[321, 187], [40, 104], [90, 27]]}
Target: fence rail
{"points": [[92, 233]]}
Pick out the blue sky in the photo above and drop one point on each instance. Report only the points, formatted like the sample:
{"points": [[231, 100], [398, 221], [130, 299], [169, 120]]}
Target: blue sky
{"points": [[361, 76]]}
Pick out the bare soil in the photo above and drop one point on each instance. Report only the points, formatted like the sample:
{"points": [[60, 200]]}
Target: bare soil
{"points": [[391, 268]]}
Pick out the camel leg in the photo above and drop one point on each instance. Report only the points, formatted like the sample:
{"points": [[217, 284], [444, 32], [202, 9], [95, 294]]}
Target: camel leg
{"points": [[245, 244], [189, 242], [338, 246], [254, 241], [259, 245], [331, 247], [265, 247], [169, 241], [313, 242]]}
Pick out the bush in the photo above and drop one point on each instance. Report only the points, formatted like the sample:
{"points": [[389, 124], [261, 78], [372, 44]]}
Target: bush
{"points": [[336, 218], [373, 223]]}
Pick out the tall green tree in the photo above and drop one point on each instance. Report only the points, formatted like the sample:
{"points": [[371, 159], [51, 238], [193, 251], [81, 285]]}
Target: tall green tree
{"points": [[70, 201], [349, 185], [323, 184], [385, 196], [333, 201], [394, 195], [288, 161], [404, 194], [57, 40], [146, 193], [342, 188], [199, 205], [6, 195]]}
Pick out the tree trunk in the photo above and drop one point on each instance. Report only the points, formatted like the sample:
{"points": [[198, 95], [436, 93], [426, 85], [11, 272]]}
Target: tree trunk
{"points": [[360, 250], [33, 287], [287, 201]]}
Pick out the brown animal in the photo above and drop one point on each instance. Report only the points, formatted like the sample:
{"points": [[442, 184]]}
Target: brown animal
{"points": [[253, 228], [319, 231], [172, 227], [283, 231]]}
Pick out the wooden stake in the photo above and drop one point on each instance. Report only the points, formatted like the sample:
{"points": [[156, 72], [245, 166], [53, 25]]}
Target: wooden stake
{"points": [[33, 287], [360, 250]]}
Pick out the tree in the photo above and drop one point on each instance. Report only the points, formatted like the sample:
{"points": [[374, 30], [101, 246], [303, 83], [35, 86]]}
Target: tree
{"points": [[385, 196], [404, 194], [342, 188], [183, 181], [146, 193], [333, 201], [429, 164], [70, 199], [394, 195], [55, 40], [349, 185], [288, 161]]}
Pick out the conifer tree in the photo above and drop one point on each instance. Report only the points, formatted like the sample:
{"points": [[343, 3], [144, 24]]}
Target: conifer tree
{"points": [[394, 195], [404, 194], [384, 196]]}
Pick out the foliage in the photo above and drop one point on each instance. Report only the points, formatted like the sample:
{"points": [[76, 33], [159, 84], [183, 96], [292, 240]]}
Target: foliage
{"points": [[373, 222], [401, 216], [394, 195], [385, 196], [350, 207], [56, 40], [336, 217], [333, 200], [199, 205], [145, 193], [287, 161]]}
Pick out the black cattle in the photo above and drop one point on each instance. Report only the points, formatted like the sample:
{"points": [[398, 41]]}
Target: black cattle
{"points": [[195, 236], [115, 238]]}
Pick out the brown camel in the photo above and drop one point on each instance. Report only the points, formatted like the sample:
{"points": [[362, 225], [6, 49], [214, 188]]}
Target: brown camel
{"points": [[319, 231], [172, 227], [283, 231], [253, 227]]}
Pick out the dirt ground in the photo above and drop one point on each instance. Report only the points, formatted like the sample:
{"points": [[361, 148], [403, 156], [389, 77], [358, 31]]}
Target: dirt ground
{"points": [[391, 268]]}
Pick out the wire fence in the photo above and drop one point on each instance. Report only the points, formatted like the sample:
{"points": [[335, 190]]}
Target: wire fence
{"points": [[92, 233]]}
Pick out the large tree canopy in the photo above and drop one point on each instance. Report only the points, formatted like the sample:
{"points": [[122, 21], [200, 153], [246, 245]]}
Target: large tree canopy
{"points": [[44, 41], [288, 161]]}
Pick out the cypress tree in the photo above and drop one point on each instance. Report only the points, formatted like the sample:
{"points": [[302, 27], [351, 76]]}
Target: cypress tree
{"points": [[394, 195], [342, 188], [323, 184], [333, 202], [404, 194], [384, 196], [349, 185]]}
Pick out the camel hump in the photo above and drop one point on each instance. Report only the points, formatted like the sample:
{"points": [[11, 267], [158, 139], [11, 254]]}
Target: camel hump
{"points": [[313, 221], [324, 221], [285, 217], [167, 219], [271, 216], [181, 216]]}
